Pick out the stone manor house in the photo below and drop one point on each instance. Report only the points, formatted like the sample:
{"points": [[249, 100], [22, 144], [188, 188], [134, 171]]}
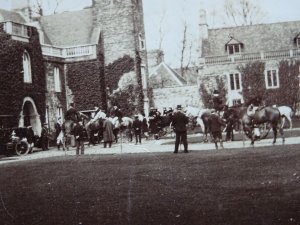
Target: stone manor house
{"points": [[271, 52], [226, 52], [77, 57]]}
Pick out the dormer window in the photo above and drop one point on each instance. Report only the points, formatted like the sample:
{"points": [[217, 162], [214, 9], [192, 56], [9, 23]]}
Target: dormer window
{"points": [[297, 40], [233, 46]]}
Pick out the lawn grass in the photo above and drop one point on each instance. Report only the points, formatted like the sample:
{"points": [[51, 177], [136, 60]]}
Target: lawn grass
{"points": [[249, 186]]}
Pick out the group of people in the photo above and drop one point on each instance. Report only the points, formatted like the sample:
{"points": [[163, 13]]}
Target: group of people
{"points": [[139, 127]]}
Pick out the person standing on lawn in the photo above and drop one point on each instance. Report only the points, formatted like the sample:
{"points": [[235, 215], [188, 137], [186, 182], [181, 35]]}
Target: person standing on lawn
{"points": [[108, 134], [137, 129], [79, 138], [216, 124], [44, 137], [59, 135], [179, 122]]}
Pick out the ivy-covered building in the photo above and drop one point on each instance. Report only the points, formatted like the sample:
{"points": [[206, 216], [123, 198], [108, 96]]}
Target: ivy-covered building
{"points": [[75, 57], [255, 60]]}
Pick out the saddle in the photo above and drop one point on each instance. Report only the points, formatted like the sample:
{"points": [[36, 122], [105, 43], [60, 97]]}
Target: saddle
{"points": [[253, 109]]}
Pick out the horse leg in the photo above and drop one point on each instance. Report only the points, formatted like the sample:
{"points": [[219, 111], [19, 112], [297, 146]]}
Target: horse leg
{"points": [[282, 121], [275, 134], [290, 121]]}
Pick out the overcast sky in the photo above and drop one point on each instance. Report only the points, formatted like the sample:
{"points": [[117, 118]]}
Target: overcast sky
{"points": [[177, 11]]}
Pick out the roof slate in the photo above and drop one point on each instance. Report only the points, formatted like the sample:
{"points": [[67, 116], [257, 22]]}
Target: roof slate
{"points": [[69, 28], [169, 76], [256, 38], [6, 15]]}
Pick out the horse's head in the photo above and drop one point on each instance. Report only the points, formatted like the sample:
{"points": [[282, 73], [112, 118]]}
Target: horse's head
{"points": [[68, 126]]}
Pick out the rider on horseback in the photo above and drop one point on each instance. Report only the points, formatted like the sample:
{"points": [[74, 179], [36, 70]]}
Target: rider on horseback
{"points": [[72, 114], [217, 101]]}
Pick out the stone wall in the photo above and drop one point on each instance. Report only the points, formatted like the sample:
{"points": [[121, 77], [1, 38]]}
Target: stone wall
{"points": [[173, 96]]}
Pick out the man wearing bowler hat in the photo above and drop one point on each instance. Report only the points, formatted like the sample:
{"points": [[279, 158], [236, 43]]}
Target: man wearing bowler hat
{"points": [[179, 122]]}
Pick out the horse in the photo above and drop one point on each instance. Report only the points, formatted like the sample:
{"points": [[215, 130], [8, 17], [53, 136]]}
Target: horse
{"points": [[265, 115], [94, 126], [192, 113], [67, 128], [126, 126], [286, 112], [203, 120], [116, 127]]}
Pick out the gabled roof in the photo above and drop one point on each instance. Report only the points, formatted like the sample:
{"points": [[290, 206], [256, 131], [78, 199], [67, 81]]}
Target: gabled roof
{"points": [[233, 41], [70, 28], [256, 38], [166, 75], [6, 15]]}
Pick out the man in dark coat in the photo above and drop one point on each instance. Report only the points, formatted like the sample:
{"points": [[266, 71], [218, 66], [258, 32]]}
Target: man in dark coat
{"points": [[179, 122], [116, 112], [217, 101], [216, 124], [137, 129], [145, 127], [152, 120], [79, 137], [44, 137], [30, 137]]}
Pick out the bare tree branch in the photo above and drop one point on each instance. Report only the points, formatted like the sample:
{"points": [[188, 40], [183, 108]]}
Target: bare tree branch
{"points": [[243, 12], [183, 48], [161, 32]]}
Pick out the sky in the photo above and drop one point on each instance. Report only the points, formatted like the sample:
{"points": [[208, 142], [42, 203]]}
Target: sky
{"points": [[170, 16]]}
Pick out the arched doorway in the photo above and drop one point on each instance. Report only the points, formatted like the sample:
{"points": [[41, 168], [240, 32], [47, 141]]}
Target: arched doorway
{"points": [[30, 116]]}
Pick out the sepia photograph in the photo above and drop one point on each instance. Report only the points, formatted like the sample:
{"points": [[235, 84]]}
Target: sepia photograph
{"points": [[149, 112]]}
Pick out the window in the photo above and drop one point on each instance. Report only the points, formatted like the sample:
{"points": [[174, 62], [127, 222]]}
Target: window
{"points": [[27, 68], [47, 115], [298, 42], [142, 42], [233, 49], [272, 79], [235, 81], [59, 113], [236, 101], [57, 83]]}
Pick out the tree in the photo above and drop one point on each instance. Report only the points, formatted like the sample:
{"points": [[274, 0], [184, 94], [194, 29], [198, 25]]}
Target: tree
{"points": [[39, 7], [243, 12]]}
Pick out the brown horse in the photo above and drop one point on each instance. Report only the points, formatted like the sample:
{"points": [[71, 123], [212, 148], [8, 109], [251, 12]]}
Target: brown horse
{"points": [[268, 116], [93, 128], [67, 128]]}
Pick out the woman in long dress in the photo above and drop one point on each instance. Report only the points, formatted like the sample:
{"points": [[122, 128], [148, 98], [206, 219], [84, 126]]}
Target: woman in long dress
{"points": [[108, 135]]}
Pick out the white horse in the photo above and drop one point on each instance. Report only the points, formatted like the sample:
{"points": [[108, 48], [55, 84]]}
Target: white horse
{"points": [[99, 115], [197, 112], [200, 120], [286, 112]]}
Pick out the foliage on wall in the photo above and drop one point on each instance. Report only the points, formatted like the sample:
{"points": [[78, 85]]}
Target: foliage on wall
{"points": [[130, 98], [87, 81], [288, 91], [87, 84], [206, 94], [254, 85], [253, 81], [116, 69], [12, 87]]}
